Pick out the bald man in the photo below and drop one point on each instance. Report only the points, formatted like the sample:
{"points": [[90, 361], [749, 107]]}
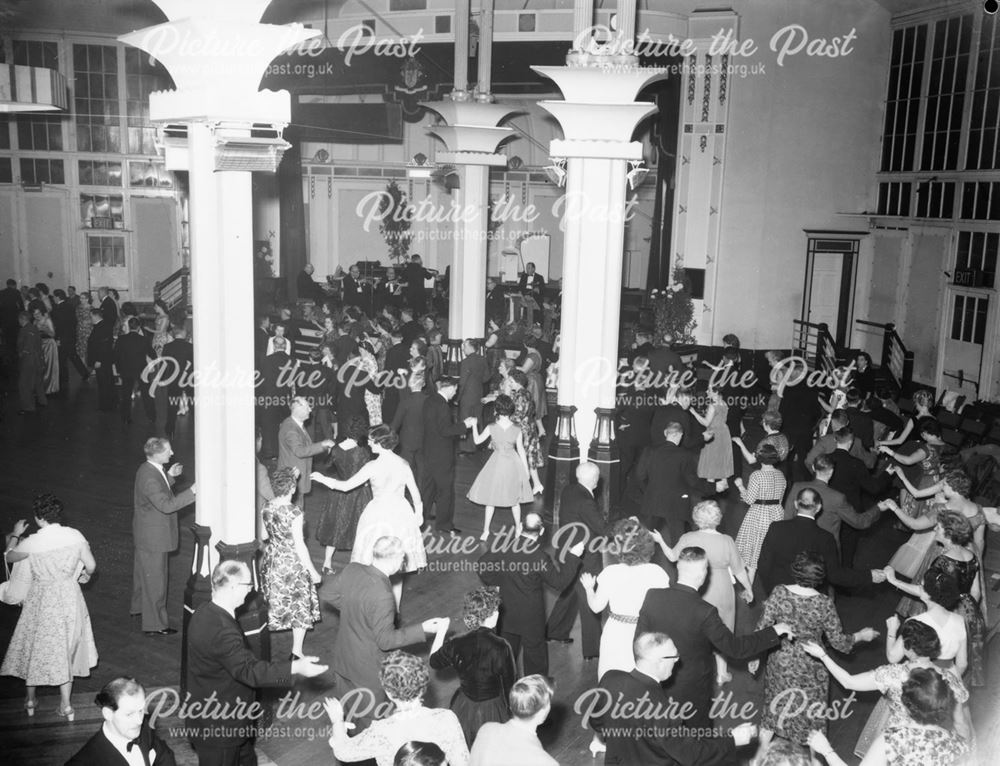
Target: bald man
{"points": [[580, 519]]}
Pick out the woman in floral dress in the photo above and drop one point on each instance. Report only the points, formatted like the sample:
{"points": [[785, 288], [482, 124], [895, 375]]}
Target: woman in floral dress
{"points": [[286, 568], [161, 329], [928, 456], [338, 523], [793, 681], [524, 417], [84, 324], [368, 363]]}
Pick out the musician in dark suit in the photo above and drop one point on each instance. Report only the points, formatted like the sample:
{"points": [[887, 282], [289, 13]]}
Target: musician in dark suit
{"points": [[133, 351], [414, 275], [356, 290], [438, 480], [306, 288], [223, 674], [387, 291], [579, 519], [472, 375], [126, 730], [101, 359], [669, 475], [363, 595], [154, 534], [786, 539], [64, 323], [181, 352], [698, 631], [495, 301], [522, 573], [529, 282], [634, 738]]}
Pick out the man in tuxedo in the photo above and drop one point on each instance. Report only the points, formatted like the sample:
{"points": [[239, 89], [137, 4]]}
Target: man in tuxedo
{"points": [[154, 534], [579, 518], [632, 737], [64, 324], [522, 573], [101, 359], [698, 631], [133, 351], [473, 373], [669, 475], [408, 423], [356, 291], [495, 301], [363, 595], [414, 275], [223, 674], [786, 539], [181, 352], [306, 289], [108, 307], [397, 362], [438, 481], [836, 509], [30, 386], [295, 446], [127, 737], [529, 282]]}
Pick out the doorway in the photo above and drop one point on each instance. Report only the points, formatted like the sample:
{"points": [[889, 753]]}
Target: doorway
{"points": [[831, 270], [965, 335]]}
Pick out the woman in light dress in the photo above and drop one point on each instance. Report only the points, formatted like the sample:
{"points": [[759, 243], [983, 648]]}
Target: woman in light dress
{"points": [[388, 513], [621, 588], [716, 458], [50, 350], [53, 640]]}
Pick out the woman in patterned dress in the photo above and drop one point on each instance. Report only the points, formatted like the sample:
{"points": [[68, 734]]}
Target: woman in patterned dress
{"points": [[338, 522], [524, 417], [368, 363], [793, 681], [532, 368], [84, 324], [53, 640], [928, 457], [923, 401], [286, 569], [763, 494], [928, 735], [161, 327]]}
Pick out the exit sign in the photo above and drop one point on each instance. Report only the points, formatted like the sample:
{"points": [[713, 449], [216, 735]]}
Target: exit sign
{"points": [[102, 222], [969, 278]]}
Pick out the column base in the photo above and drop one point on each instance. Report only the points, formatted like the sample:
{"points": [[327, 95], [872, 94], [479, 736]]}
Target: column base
{"points": [[603, 452], [453, 360], [564, 457]]}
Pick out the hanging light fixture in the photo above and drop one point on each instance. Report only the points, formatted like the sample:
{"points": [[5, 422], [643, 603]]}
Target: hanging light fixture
{"points": [[556, 172], [636, 173]]}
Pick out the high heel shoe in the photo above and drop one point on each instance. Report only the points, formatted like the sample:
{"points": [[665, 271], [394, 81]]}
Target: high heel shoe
{"points": [[596, 746], [29, 707], [484, 536], [329, 570], [66, 712], [293, 656]]}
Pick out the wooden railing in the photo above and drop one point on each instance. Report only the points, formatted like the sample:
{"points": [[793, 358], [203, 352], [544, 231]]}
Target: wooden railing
{"points": [[175, 291], [815, 344], [896, 359]]}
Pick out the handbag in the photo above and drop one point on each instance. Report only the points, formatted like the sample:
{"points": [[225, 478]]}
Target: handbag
{"points": [[15, 589]]}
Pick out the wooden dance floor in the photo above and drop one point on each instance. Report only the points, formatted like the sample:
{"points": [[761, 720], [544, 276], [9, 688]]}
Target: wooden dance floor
{"points": [[88, 459]]}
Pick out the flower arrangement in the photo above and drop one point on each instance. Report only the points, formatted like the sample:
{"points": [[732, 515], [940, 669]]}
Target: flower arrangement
{"points": [[673, 309], [395, 215]]}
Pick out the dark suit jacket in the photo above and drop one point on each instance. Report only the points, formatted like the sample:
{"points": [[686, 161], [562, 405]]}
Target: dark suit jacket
{"points": [[495, 305], [109, 311], [472, 375], [862, 425], [666, 364], [367, 629], [307, 289], [10, 304], [531, 283], [182, 352], [100, 345], [408, 421], [627, 748], [154, 519], [669, 474], [260, 339], [694, 432], [296, 450], [411, 331], [221, 663], [439, 432], [100, 752], [698, 632], [786, 539], [64, 322], [836, 509], [851, 478], [522, 574], [29, 345], [577, 510], [634, 418], [132, 352], [274, 367], [397, 362]]}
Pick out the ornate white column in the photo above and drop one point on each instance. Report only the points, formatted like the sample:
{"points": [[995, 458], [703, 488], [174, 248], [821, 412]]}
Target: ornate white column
{"points": [[702, 152], [217, 53], [598, 117]]}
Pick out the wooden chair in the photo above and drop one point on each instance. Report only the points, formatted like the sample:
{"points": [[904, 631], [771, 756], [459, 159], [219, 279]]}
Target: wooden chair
{"points": [[949, 420]]}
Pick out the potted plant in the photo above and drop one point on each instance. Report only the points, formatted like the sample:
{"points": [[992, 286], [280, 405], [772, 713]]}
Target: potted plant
{"points": [[673, 309], [396, 215]]}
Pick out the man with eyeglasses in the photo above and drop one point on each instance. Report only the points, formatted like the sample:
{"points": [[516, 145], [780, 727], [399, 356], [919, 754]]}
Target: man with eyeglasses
{"points": [[223, 674], [640, 724]]}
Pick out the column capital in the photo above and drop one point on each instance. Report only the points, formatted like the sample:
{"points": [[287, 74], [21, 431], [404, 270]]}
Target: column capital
{"points": [[472, 158], [596, 149]]}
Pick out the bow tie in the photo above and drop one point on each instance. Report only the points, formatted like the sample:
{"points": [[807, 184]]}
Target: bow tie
{"points": [[131, 744]]}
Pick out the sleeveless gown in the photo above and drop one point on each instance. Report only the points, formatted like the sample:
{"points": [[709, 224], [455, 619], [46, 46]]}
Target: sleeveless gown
{"points": [[389, 513]]}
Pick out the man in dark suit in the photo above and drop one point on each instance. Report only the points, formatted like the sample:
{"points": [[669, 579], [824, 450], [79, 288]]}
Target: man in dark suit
{"points": [[223, 674], [579, 519], [414, 275], [273, 395], [667, 367], [836, 510], [154, 534], [438, 480], [126, 729], [409, 327], [408, 423], [355, 290], [472, 375], [642, 346], [30, 386], [851, 477], [181, 352], [861, 422], [397, 362], [786, 539], [64, 323], [678, 411], [133, 351], [495, 301], [108, 307], [363, 595], [669, 475], [305, 288], [530, 283], [344, 344], [11, 304], [616, 713], [295, 446], [800, 411], [698, 631], [522, 573], [101, 359], [633, 417], [261, 335]]}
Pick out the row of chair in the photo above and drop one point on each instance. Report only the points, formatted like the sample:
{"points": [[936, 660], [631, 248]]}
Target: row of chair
{"points": [[958, 430]]}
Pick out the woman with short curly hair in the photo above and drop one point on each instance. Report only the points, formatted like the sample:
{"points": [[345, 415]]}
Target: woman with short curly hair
{"points": [[484, 663], [404, 678]]}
